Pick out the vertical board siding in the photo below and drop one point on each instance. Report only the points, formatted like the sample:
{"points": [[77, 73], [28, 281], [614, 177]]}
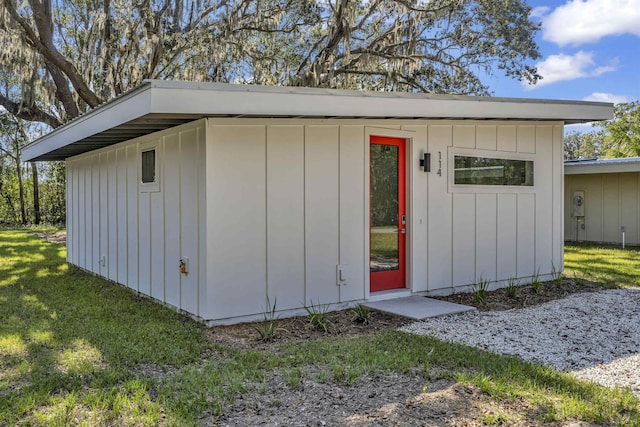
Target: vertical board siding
{"points": [[592, 186], [321, 214], [486, 236], [464, 239], [351, 209], [486, 137], [94, 220], [238, 221], [611, 201], [507, 228], [144, 243], [544, 226], [69, 214], [557, 188], [171, 190], [418, 208], [440, 211], [285, 216], [103, 223], [121, 213], [203, 308], [132, 218], [190, 224], [629, 215], [157, 244], [507, 138], [526, 237], [84, 232], [464, 136], [268, 210], [112, 216], [610, 207], [74, 239], [526, 139], [120, 232]]}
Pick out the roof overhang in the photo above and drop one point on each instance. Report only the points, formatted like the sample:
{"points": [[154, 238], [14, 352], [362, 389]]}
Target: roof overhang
{"points": [[156, 105], [582, 167]]}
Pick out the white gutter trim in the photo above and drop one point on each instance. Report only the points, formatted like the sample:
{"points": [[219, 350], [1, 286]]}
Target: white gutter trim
{"points": [[285, 104], [589, 168], [211, 99], [130, 106]]}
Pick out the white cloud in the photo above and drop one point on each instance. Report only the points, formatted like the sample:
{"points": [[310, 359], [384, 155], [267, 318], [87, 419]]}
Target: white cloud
{"points": [[586, 21], [539, 12], [606, 97], [561, 67]]}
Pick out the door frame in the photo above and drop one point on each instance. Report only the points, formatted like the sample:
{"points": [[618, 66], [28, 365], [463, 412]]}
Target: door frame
{"points": [[408, 137]]}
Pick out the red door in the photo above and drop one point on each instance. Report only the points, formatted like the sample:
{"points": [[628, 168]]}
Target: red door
{"points": [[387, 213]]}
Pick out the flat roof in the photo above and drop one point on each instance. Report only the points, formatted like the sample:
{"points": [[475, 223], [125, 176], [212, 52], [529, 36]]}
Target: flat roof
{"points": [[155, 105], [587, 166]]}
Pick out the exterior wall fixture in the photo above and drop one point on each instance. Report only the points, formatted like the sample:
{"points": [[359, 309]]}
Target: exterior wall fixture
{"points": [[425, 162]]}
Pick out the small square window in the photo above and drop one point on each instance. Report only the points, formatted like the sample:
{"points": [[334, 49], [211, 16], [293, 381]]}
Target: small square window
{"points": [[149, 166]]}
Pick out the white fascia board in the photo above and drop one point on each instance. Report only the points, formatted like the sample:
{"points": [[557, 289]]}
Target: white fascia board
{"points": [[251, 102], [578, 169], [135, 104]]}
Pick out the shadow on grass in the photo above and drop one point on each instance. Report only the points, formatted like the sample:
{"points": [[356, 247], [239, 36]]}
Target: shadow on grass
{"points": [[71, 344], [66, 335], [605, 264]]}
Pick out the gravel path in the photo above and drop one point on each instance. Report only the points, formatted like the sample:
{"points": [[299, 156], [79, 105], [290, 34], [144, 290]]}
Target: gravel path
{"points": [[596, 335]]}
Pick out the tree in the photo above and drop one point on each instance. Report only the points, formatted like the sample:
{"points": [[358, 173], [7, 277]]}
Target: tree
{"points": [[13, 137], [623, 131], [61, 58], [581, 146], [19, 189]]}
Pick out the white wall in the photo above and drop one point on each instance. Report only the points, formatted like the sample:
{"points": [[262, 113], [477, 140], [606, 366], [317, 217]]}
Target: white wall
{"points": [[611, 200], [287, 204], [269, 209], [136, 238], [486, 232]]}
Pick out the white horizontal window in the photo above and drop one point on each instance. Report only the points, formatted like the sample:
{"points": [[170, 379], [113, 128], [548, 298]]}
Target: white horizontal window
{"points": [[470, 170]]}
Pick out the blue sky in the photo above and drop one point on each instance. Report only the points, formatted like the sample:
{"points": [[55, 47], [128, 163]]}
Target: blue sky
{"points": [[590, 51]]}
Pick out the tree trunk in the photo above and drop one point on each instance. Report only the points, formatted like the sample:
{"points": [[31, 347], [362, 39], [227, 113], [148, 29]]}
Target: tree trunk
{"points": [[36, 193], [23, 213]]}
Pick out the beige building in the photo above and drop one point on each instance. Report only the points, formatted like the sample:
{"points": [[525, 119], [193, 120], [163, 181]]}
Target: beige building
{"points": [[602, 200], [215, 199]]}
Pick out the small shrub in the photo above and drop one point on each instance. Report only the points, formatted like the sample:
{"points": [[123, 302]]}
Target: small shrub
{"points": [[480, 290], [513, 288], [318, 317], [495, 419], [361, 314], [556, 276], [294, 378], [268, 328], [536, 284]]}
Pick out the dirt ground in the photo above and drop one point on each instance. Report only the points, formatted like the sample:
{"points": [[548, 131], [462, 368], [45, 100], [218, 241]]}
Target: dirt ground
{"points": [[58, 237], [378, 399]]}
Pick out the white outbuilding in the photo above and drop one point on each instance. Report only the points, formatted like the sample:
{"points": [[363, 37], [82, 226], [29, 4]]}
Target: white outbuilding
{"points": [[219, 199], [602, 200]]}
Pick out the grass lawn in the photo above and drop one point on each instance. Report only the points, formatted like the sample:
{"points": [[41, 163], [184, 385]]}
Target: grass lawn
{"points": [[606, 264], [76, 349]]}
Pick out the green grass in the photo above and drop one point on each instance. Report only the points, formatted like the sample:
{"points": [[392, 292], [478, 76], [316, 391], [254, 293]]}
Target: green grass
{"points": [[385, 244], [71, 348], [610, 265], [70, 341]]}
